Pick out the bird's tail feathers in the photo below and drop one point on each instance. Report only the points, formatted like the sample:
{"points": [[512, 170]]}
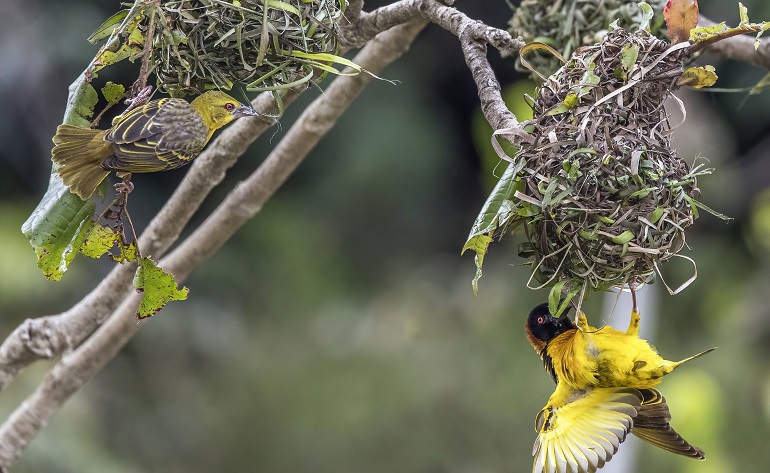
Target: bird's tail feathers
{"points": [[79, 153], [652, 424]]}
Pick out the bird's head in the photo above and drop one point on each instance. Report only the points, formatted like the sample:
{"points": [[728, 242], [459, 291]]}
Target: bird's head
{"points": [[542, 327], [218, 109]]}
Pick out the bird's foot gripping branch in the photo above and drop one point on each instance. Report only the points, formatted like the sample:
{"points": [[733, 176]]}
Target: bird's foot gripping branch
{"points": [[168, 133], [600, 193]]}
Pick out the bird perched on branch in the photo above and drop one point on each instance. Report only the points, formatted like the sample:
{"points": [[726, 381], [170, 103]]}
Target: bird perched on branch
{"points": [[157, 136], [605, 383]]}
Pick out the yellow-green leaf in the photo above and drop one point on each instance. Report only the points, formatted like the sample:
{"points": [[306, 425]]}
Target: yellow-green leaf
{"points": [[98, 241], [158, 288], [570, 101], [705, 33], [698, 77], [113, 92]]}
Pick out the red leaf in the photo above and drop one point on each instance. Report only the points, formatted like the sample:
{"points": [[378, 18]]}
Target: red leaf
{"points": [[681, 16]]}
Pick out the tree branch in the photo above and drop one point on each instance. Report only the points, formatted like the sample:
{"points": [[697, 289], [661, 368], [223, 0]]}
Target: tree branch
{"points": [[52, 336], [79, 366], [740, 48], [473, 35]]}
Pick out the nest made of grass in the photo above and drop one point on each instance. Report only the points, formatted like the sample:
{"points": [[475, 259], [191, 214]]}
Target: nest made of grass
{"points": [[266, 45], [569, 24], [603, 197]]}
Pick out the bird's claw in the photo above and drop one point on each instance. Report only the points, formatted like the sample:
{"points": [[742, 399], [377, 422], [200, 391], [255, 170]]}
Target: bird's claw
{"points": [[582, 322], [124, 187]]}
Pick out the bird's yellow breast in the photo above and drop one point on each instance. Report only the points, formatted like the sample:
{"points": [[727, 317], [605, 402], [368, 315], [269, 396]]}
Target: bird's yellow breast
{"points": [[622, 359], [605, 358]]}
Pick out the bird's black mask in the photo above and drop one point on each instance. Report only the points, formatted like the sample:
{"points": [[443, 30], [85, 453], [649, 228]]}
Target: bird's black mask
{"points": [[545, 326]]}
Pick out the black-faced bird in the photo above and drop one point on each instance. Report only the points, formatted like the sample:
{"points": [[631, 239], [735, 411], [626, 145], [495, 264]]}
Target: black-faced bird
{"points": [[159, 135], [605, 382]]}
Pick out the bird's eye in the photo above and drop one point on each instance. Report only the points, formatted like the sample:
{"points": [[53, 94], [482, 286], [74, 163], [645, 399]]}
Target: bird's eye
{"points": [[540, 319], [229, 107]]}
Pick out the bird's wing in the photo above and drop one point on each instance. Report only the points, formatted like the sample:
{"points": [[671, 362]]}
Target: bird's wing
{"points": [[579, 431], [140, 123], [163, 134], [652, 424]]}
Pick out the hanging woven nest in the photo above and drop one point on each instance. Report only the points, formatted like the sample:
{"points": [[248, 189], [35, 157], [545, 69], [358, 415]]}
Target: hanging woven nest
{"points": [[601, 195], [569, 24], [209, 44]]}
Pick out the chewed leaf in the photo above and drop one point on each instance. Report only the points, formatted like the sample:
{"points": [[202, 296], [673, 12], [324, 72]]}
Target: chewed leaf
{"points": [[479, 244], [83, 107], [130, 49], [681, 17], [113, 92], [705, 33], [98, 241], [158, 288], [57, 227], [59, 224], [101, 239], [128, 252], [698, 77]]}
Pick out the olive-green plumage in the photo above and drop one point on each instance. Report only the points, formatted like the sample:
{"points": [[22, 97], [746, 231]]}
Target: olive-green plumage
{"points": [[160, 135]]}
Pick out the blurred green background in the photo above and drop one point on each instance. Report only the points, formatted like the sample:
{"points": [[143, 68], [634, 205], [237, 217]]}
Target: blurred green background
{"points": [[337, 331]]}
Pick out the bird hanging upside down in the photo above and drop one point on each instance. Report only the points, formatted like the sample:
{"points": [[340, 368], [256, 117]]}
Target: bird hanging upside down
{"points": [[160, 135], [605, 383]]}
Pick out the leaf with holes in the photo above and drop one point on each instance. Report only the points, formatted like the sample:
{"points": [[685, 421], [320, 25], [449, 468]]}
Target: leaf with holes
{"points": [[158, 288]]}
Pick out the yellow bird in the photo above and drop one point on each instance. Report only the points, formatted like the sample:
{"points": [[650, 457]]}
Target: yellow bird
{"points": [[159, 135], [604, 390]]}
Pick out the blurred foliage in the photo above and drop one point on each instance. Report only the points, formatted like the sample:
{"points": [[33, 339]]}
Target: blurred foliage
{"points": [[337, 331]]}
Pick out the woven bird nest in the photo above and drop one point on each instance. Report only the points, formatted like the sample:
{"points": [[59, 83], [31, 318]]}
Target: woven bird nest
{"points": [[266, 45], [569, 24], [602, 196]]}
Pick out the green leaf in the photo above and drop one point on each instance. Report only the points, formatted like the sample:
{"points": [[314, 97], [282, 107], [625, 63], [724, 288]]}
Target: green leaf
{"points": [[656, 215], [555, 296], [57, 228], [106, 28], [98, 241], [113, 92], [496, 212], [624, 237], [705, 33], [82, 105], [744, 14], [589, 78], [130, 49], [128, 252], [647, 14], [101, 239], [158, 288], [59, 224], [628, 58]]}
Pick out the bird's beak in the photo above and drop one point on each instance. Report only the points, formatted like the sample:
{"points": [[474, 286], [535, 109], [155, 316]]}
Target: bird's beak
{"points": [[245, 111]]}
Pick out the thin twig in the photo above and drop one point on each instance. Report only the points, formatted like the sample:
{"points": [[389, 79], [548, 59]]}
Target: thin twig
{"points": [[740, 48], [52, 336]]}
